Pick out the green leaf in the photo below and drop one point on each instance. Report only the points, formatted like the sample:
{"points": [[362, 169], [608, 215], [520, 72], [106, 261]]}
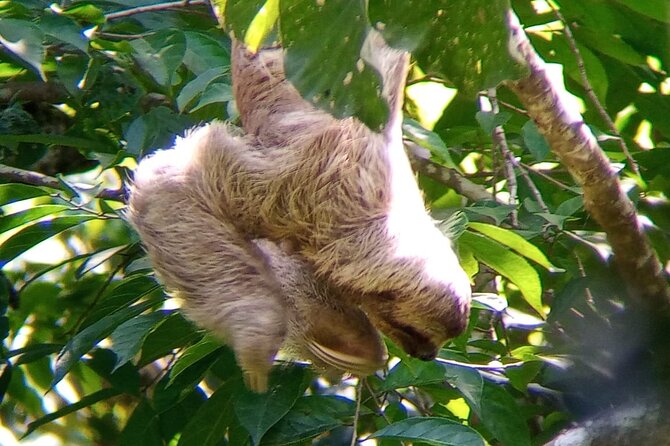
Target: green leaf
{"points": [[204, 52], [197, 86], [428, 140], [33, 352], [510, 265], [85, 340], [215, 92], [503, 417], [193, 354], [401, 25], [313, 32], [514, 241], [127, 338], [468, 381], [218, 413], [30, 236], [87, 12], [259, 412], [310, 416], [65, 30], [88, 400], [488, 121], [174, 332], [160, 55], [535, 142], [142, 428], [13, 192], [413, 372], [239, 14], [24, 39], [656, 9], [11, 221], [468, 43], [431, 430], [122, 295]]}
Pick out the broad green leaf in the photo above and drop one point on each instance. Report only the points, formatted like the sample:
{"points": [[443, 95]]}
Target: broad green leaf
{"points": [[656, 9], [87, 12], [428, 140], [214, 93], [570, 206], [262, 25], [259, 412], [401, 25], [523, 374], [86, 401], [610, 45], [468, 43], [514, 241], [86, 339], [11, 221], [503, 417], [160, 55], [24, 39], [10, 193], [488, 121], [414, 373], [239, 14], [534, 141], [193, 354], [197, 86], [219, 413], [204, 52], [127, 338], [174, 332], [431, 430], [31, 235], [468, 381], [310, 416], [314, 32], [65, 30], [510, 265], [142, 428]]}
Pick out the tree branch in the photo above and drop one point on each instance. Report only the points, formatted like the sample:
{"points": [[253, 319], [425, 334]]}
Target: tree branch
{"points": [[420, 160], [153, 8], [10, 174], [574, 144]]}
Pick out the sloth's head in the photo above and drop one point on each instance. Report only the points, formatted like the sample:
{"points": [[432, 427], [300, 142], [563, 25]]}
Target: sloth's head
{"points": [[420, 322]]}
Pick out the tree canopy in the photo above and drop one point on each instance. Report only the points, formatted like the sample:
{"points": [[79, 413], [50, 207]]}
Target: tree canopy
{"points": [[539, 133]]}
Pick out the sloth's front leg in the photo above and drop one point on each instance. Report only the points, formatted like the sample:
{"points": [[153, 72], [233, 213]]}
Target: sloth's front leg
{"points": [[222, 277]]}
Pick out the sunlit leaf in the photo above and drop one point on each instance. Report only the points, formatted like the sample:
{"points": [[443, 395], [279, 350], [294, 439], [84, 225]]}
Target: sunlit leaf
{"points": [[508, 264], [127, 338], [24, 39]]}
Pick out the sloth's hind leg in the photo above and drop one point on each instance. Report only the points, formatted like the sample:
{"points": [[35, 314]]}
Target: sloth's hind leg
{"points": [[223, 279]]}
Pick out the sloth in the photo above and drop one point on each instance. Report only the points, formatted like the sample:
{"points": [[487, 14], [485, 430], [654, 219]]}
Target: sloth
{"points": [[335, 194], [259, 298]]}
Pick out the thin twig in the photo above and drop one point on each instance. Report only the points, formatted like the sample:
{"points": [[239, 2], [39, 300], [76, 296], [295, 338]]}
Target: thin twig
{"points": [[514, 108], [15, 175], [153, 8], [531, 185], [548, 178], [357, 414], [572, 43], [500, 140]]}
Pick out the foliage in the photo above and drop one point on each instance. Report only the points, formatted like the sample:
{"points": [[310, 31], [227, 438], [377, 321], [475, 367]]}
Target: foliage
{"points": [[93, 351]]}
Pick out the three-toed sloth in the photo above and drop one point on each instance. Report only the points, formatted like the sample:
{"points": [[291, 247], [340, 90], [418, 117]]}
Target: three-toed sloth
{"points": [[342, 213]]}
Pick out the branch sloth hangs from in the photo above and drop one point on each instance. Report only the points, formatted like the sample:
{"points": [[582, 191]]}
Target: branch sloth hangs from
{"points": [[302, 229]]}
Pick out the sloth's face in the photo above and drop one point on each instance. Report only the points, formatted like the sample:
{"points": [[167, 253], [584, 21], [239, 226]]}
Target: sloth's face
{"points": [[419, 326]]}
